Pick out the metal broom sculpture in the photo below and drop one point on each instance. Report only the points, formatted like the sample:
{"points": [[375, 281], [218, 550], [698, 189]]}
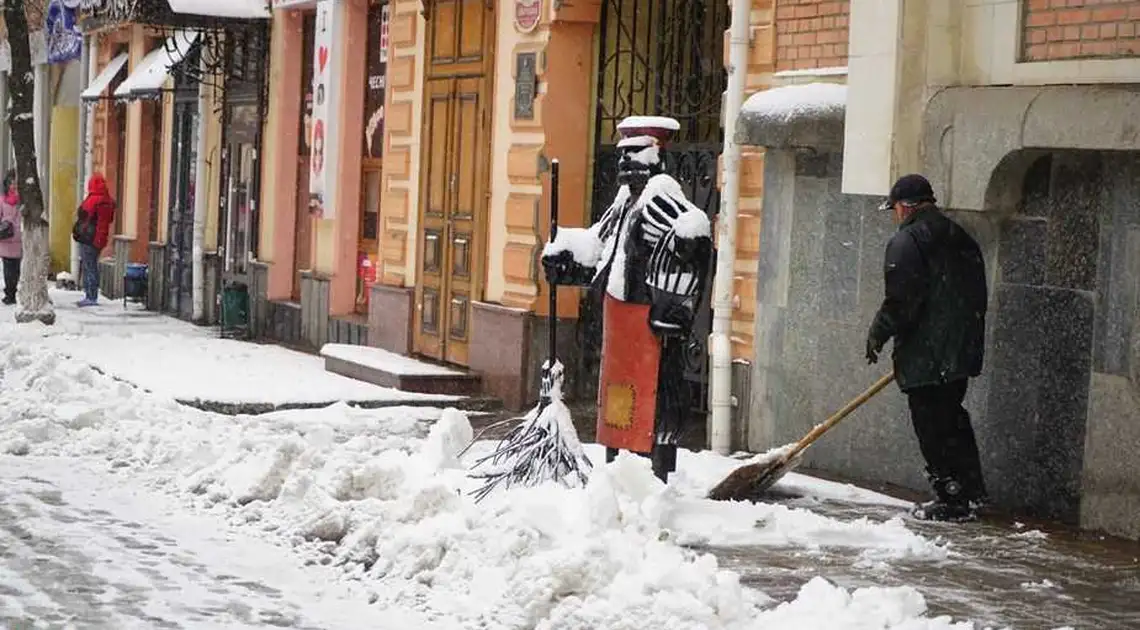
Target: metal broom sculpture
{"points": [[544, 446]]}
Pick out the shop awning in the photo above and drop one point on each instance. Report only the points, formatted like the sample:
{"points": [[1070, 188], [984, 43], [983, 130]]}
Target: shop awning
{"points": [[149, 76], [242, 9], [98, 87]]}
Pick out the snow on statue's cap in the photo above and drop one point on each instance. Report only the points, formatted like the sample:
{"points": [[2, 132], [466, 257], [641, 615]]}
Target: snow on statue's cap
{"points": [[658, 127]]}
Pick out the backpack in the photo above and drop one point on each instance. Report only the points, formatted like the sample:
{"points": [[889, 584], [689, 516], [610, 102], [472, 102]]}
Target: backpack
{"points": [[85, 225]]}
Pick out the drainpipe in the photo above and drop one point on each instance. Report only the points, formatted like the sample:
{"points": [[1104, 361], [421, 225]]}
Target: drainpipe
{"points": [[201, 194], [87, 114], [84, 166], [720, 345]]}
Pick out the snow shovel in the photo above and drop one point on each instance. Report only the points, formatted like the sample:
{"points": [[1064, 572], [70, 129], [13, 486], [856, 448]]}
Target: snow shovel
{"points": [[751, 480], [544, 446]]}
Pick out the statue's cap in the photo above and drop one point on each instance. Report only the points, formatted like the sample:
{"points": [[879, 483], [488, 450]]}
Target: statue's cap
{"points": [[659, 127]]}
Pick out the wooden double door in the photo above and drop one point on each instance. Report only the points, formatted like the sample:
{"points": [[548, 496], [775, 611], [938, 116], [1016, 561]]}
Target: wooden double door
{"points": [[455, 162]]}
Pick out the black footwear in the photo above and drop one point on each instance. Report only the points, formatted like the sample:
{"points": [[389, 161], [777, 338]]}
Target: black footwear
{"points": [[8, 301], [942, 511]]}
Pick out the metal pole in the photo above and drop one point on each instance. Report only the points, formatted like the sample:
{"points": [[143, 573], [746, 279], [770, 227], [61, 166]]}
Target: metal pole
{"points": [[5, 132], [83, 167]]}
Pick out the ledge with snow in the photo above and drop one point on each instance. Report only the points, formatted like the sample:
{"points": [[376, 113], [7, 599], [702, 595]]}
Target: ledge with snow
{"points": [[388, 369], [794, 116]]}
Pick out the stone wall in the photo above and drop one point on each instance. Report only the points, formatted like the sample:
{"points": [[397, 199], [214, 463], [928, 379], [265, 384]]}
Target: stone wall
{"points": [[1057, 408], [820, 283]]}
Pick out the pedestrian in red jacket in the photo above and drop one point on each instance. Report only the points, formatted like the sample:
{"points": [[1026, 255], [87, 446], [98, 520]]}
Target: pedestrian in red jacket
{"points": [[92, 231]]}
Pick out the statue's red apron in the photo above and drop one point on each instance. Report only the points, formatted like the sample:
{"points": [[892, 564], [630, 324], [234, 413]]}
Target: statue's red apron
{"points": [[627, 388]]}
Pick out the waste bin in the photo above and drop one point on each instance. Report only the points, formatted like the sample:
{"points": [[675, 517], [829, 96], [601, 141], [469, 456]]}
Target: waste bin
{"points": [[235, 306]]}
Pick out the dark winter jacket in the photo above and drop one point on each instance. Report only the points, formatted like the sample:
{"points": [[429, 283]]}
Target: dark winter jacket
{"points": [[98, 209], [935, 305]]}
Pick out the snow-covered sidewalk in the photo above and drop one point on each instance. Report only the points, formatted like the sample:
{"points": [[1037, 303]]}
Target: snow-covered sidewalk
{"points": [[81, 549], [175, 359], [381, 499]]}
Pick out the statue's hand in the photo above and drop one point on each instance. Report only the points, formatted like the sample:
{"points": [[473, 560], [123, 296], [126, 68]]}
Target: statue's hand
{"points": [[671, 318]]}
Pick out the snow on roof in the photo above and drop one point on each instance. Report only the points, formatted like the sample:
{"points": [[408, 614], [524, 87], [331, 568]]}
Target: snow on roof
{"points": [[245, 9], [834, 71], [99, 85], [794, 101], [151, 73]]}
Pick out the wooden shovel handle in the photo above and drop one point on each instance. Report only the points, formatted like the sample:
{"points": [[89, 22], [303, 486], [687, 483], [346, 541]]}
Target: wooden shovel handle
{"points": [[826, 425]]}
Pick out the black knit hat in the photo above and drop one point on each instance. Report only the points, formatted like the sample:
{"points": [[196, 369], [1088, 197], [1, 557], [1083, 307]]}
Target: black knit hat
{"points": [[909, 190]]}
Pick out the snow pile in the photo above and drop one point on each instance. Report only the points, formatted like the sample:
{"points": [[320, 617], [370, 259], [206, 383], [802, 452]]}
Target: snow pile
{"points": [[387, 500], [783, 104], [824, 606]]}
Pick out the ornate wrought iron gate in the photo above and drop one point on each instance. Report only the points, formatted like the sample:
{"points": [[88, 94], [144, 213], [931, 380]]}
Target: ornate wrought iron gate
{"points": [[659, 58]]}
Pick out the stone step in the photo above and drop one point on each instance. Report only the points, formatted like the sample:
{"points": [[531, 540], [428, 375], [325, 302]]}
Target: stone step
{"points": [[388, 369]]}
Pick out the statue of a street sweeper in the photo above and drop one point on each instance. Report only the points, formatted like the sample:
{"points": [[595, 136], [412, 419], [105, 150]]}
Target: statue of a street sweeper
{"points": [[649, 256]]}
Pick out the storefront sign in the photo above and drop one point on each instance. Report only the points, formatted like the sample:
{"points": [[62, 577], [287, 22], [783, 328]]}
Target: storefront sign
{"points": [[528, 13], [526, 83], [376, 69], [323, 155], [64, 42], [290, 4], [109, 10]]}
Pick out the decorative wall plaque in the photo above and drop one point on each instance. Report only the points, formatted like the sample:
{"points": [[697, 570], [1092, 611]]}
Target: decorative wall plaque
{"points": [[528, 13], [526, 84]]}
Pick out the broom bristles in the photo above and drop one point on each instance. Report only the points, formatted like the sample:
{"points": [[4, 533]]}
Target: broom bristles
{"points": [[543, 447]]}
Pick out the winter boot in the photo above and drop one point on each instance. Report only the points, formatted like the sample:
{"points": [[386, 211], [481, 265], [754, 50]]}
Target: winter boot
{"points": [[951, 505]]}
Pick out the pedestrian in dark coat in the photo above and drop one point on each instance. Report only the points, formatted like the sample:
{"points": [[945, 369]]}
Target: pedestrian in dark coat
{"points": [[935, 311]]}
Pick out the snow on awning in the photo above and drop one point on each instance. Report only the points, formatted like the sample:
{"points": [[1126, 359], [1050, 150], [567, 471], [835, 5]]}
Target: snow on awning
{"points": [[151, 73], [242, 9], [98, 87], [803, 115]]}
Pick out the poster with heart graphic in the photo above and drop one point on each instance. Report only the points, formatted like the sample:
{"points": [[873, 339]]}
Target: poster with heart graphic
{"points": [[322, 155]]}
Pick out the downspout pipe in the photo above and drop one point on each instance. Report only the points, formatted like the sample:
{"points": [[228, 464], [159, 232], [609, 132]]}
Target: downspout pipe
{"points": [[720, 343], [201, 194], [84, 168]]}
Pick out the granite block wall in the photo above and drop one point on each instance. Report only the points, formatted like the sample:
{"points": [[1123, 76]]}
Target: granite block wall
{"points": [[1057, 408]]}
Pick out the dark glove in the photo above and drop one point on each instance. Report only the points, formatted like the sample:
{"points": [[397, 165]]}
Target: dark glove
{"points": [[689, 249], [559, 268], [874, 347], [671, 318]]}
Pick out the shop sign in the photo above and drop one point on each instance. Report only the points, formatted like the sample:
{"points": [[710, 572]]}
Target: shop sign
{"points": [[323, 156], [63, 40], [289, 4], [376, 68], [110, 10], [528, 13]]}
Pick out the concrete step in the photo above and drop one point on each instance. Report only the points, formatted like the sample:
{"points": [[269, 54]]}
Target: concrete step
{"points": [[388, 369]]}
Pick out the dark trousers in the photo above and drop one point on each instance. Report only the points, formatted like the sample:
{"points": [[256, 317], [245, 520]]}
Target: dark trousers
{"points": [[89, 260], [11, 278], [946, 437]]}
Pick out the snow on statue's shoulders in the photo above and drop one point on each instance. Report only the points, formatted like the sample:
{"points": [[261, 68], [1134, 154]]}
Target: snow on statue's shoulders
{"points": [[583, 244], [692, 225], [786, 102]]}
